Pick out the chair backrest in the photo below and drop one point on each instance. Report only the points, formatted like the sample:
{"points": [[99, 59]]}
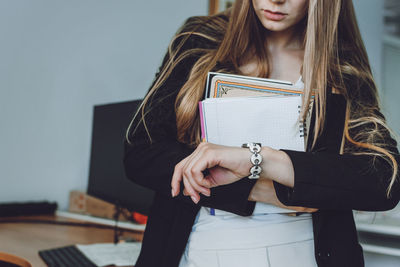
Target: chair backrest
{"points": [[8, 260]]}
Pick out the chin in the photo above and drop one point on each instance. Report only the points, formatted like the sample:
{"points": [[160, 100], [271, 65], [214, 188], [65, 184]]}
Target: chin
{"points": [[275, 26]]}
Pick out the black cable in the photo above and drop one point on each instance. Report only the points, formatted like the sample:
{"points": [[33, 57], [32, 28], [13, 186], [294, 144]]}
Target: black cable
{"points": [[116, 217], [119, 210]]}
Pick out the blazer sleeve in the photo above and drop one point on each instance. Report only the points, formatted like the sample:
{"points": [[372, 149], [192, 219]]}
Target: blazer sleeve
{"points": [[325, 179], [151, 163]]}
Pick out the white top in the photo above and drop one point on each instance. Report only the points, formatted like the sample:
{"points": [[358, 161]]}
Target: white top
{"points": [[206, 222]]}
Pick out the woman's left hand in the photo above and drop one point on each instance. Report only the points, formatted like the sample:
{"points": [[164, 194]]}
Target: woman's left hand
{"points": [[225, 165]]}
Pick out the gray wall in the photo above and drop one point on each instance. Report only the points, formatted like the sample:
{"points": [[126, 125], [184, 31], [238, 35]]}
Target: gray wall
{"points": [[57, 60], [391, 82], [370, 19]]}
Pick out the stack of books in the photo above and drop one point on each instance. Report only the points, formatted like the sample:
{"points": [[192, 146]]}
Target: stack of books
{"points": [[240, 109]]}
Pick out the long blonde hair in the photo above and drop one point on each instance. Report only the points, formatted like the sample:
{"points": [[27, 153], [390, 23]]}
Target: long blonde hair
{"points": [[333, 52]]}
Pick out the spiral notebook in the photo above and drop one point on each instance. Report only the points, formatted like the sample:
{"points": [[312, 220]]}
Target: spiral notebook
{"points": [[272, 121]]}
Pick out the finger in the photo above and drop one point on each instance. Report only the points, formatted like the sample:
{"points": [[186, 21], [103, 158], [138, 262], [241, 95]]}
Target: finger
{"points": [[198, 171], [210, 181], [178, 172], [189, 174], [193, 194], [195, 177], [194, 170], [177, 177], [205, 191]]}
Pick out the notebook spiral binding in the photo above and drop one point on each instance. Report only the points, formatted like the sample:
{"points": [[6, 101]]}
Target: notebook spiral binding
{"points": [[302, 125]]}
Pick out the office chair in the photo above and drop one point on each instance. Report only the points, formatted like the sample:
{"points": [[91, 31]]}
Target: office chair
{"points": [[8, 260]]}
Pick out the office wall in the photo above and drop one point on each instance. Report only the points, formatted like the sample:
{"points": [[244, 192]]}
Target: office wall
{"points": [[391, 81], [370, 19], [57, 60]]}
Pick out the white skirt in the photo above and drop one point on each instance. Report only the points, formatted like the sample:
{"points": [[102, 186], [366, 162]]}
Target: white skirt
{"points": [[275, 245]]}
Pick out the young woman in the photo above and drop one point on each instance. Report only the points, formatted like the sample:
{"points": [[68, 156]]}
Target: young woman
{"points": [[350, 162]]}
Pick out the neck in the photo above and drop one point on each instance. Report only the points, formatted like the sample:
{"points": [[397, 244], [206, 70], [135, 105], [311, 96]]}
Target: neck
{"points": [[283, 40]]}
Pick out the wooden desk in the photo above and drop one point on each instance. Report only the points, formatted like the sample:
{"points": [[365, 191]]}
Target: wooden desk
{"points": [[26, 239]]}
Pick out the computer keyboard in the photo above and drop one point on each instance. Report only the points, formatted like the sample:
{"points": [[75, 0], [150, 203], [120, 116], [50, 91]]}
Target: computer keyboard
{"points": [[68, 256]]}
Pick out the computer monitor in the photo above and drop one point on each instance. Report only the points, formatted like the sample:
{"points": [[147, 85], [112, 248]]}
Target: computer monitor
{"points": [[107, 178]]}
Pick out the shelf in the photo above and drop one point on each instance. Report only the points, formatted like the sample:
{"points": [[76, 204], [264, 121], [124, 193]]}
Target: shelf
{"points": [[381, 250], [379, 234], [379, 228], [391, 40]]}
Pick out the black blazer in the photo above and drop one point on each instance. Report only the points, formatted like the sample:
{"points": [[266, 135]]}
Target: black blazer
{"points": [[335, 184]]}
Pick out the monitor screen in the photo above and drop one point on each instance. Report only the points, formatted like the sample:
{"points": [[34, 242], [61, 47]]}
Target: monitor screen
{"points": [[107, 178]]}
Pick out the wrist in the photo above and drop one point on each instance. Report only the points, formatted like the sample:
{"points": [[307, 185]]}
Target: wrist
{"points": [[277, 166]]}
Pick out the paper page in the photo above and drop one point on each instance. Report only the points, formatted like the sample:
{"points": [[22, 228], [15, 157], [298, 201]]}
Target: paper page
{"points": [[272, 121], [103, 254]]}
